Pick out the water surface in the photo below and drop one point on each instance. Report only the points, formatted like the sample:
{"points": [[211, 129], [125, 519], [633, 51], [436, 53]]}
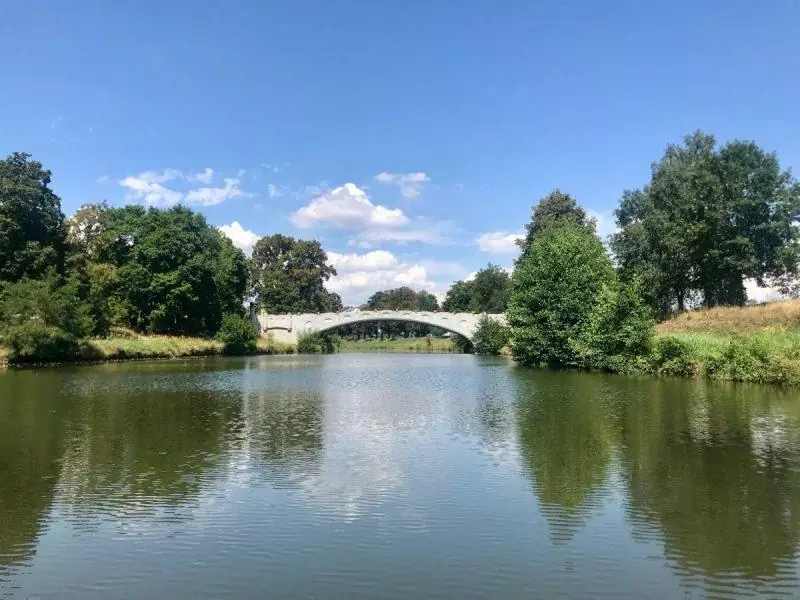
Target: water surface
{"points": [[393, 476]]}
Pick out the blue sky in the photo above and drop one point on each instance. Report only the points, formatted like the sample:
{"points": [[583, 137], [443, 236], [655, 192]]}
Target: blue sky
{"points": [[410, 137]]}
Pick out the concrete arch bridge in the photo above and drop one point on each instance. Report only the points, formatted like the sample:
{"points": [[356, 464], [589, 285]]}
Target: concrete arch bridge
{"points": [[286, 328]]}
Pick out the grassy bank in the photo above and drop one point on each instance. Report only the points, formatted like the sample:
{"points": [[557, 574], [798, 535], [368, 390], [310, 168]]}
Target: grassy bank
{"points": [[756, 343], [429, 345], [126, 345]]}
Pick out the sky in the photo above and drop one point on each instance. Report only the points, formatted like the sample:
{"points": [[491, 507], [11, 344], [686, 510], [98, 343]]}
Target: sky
{"points": [[411, 138]]}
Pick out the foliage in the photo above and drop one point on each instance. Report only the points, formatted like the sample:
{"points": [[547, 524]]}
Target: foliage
{"points": [[556, 284], [672, 356], [557, 208], [490, 336], [31, 223], [43, 319], [709, 219], [402, 298], [287, 275], [487, 292], [319, 342], [237, 334], [458, 298], [490, 290], [174, 273], [619, 332]]}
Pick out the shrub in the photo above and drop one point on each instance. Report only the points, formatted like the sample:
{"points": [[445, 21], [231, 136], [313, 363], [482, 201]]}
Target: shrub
{"points": [[619, 332], [238, 335], [318, 342], [43, 319], [672, 356], [556, 283], [490, 336]]}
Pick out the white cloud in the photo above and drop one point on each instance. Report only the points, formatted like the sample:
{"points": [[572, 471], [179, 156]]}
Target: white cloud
{"points": [[149, 188], [498, 242], [102, 179], [205, 176], [241, 237], [145, 188], [422, 230], [209, 196], [347, 207], [606, 223], [410, 184], [273, 190], [162, 177], [361, 275]]}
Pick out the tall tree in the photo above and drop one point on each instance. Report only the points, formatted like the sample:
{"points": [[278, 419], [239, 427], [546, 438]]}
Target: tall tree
{"points": [[288, 275], [491, 290], [555, 208], [708, 220], [459, 297], [31, 222]]}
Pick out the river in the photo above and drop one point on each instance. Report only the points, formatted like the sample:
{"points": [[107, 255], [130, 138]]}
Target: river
{"points": [[393, 476]]}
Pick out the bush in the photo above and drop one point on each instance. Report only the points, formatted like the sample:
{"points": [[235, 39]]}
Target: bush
{"points": [[672, 356], [490, 336], [318, 342], [238, 335], [556, 283], [43, 320], [619, 333]]}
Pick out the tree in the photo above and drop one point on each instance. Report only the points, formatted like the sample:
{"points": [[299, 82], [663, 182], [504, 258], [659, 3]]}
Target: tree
{"points": [[174, 273], [459, 297], [707, 220], [556, 283], [238, 334], [289, 275], [490, 337], [31, 221], [554, 209], [490, 290]]}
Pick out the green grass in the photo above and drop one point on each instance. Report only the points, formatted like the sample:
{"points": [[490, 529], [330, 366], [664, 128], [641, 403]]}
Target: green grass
{"points": [[426, 345], [151, 346]]}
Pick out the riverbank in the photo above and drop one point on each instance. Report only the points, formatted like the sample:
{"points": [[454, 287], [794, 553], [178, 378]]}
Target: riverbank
{"points": [[759, 344], [430, 345], [132, 346]]}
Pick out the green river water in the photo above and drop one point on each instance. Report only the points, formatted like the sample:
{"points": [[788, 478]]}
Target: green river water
{"points": [[393, 476]]}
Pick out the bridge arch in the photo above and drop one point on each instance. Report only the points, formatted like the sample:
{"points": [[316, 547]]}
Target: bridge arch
{"points": [[286, 328]]}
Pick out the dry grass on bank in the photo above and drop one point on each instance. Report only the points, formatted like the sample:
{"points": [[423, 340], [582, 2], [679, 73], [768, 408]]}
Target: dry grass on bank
{"points": [[728, 321]]}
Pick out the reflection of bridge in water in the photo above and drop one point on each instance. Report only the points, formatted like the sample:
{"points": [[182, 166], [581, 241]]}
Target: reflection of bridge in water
{"points": [[286, 328]]}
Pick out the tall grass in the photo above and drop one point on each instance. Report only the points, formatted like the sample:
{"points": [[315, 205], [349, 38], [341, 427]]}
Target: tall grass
{"points": [[734, 320]]}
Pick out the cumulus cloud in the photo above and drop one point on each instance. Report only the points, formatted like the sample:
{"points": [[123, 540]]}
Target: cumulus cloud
{"points": [[205, 176], [498, 242], [145, 187], [242, 238], [361, 275], [421, 230], [148, 187], [410, 184], [209, 196], [347, 207]]}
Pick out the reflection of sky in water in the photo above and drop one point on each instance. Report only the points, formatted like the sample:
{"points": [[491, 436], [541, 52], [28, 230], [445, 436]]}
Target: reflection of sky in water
{"points": [[421, 475]]}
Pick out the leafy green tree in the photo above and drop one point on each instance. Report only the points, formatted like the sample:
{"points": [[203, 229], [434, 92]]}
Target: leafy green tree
{"points": [[175, 273], [619, 332], [43, 319], [556, 284], [490, 336], [556, 208], [288, 275], [31, 222], [238, 334], [707, 220], [458, 298], [490, 290]]}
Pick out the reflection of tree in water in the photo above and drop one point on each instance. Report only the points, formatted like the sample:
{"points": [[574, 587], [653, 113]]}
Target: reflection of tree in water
{"points": [[565, 440], [144, 452], [31, 442], [716, 468], [285, 433]]}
